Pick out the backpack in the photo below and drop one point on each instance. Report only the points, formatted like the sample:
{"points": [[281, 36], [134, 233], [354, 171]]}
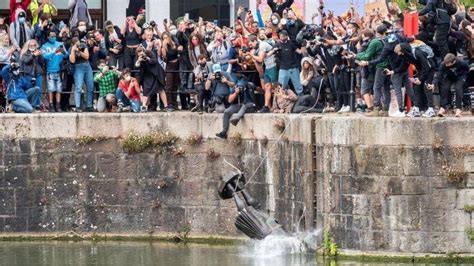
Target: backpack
{"points": [[450, 6], [419, 45]]}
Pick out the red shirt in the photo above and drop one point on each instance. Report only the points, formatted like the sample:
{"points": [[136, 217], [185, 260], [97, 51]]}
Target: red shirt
{"points": [[123, 85], [14, 5]]}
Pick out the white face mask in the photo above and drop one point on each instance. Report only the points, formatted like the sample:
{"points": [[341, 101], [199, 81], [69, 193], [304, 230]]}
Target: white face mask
{"points": [[349, 32], [283, 21], [275, 22], [16, 72], [128, 78], [174, 32], [32, 49], [82, 28]]}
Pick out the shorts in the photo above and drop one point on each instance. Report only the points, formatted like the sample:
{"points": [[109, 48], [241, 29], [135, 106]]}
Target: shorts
{"points": [[367, 86], [270, 75], [54, 82]]}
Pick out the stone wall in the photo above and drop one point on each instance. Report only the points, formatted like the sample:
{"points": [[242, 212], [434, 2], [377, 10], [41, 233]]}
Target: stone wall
{"points": [[65, 171], [383, 184], [377, 184]]}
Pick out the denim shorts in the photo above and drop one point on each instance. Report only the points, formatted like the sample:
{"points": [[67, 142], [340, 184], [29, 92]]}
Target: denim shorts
{"points": [[54, 82], [270, 75]]}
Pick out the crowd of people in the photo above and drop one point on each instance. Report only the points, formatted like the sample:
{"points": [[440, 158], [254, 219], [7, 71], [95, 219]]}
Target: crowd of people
{"points": [[338, 63]]}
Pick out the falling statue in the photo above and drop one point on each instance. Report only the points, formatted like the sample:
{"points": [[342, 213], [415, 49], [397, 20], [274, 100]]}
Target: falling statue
{"points": [[251, 220]]}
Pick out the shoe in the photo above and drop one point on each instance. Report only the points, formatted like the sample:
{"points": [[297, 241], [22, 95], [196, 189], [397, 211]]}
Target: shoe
{"points": [[143, 109], [234, 121], [375, 112], [458, 112], [264, 110], [78, 110], [58, 108], [221, 135], [89, 110], [329, 109], [441, 112], [169, 108], [196, 109], [399, 114], [414, 112], [383, 113], [120, 108], [429, 113], [51, 108], [342, 110], [348, 109]]}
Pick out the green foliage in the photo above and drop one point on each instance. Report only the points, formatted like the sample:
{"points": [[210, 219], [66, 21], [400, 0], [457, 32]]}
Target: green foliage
{"points": [[236, 139], [135, 143], [470, 234], [84, 140], [194, 139], [330, 247], [469, 208]]}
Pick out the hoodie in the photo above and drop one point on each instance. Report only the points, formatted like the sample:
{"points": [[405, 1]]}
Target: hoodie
{"points": [[15, 30], [424, 66], [306, 77], [16, 87]]}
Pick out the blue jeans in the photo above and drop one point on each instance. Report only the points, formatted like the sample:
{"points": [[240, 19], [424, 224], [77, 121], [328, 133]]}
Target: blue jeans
{"points": [[123, 99], [83, 73], [285, 75], [27, 105]]}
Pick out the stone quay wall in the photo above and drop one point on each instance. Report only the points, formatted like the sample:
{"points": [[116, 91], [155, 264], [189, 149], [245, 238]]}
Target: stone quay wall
{"points": [[384, 184]]}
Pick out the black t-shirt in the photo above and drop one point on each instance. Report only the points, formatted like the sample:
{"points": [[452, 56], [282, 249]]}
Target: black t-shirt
{"points": [[287, 56]]}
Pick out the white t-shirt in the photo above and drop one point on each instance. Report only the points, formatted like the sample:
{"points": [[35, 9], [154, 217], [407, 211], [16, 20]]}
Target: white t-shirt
{"points": [[269, 60]]}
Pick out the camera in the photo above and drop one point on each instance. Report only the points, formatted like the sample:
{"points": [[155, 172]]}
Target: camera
{"points": [[246, 9], [218, 75], [153, 23], [386, 71], [276, 50], [244, 49]]}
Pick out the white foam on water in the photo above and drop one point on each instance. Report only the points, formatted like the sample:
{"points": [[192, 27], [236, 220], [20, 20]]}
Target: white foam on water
{"points": [[279, 245]]}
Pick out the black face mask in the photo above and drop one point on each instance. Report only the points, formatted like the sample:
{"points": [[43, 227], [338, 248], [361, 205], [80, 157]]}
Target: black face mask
{"points": [[202, 64]]}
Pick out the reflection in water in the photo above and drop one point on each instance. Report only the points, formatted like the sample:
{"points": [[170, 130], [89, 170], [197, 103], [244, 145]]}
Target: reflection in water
{"points": [[134, 254]]}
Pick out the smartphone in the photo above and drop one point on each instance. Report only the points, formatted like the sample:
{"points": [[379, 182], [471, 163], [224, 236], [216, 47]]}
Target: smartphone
{"points": [[186, 17]]}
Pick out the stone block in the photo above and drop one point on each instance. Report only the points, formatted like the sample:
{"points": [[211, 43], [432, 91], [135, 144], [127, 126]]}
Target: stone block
{"points": [[465, 197], [360, 205], [203, 219], [7, 202], [454, 132], [470, 181], [169, 219], [408, 241], [341, 161], [17, 223], [408, 213], [420, 161], [469, 163], [15, 177], [415, 185], [372, 160], [445, 199], [447, 242], [449, 220]]}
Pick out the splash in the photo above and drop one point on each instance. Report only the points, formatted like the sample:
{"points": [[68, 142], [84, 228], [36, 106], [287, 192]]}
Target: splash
{"points": [[280, 244]]}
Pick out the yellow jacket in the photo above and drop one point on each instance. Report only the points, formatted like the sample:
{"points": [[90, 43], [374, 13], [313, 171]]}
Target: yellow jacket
{"points": [[47, 8]]}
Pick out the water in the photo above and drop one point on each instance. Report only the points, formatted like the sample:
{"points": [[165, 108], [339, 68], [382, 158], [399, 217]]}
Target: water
{"points": [[138, 253]]}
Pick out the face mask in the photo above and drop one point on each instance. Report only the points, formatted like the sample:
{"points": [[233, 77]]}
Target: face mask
{"points": [[31, 49], [22, 20], [209, 32], [202, 64], [349, 32], [16, 72], [275, 22], [262, 38], [81, 28], [174, 32], [195, 42], [101, 68], [128, 78], [52, 39], [111, 29], [284, 21]]}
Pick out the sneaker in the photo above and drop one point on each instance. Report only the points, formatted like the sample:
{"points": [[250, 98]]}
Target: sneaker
{"points": [[329, 109], [342, 110], [89, 110], [414, 112], [429, 113], [458, 112], [120, 108], [143, 109], [51, 108], [383, 113], [58, 108], [398, 114], [78, 110], [169, 108], [264, 110], [221, 135], [441, 112], [234, 121]]}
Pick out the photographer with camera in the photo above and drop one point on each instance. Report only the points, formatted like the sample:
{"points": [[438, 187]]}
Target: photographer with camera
{"points": [[32, 62], [79, 58], [219, 83], [201, 74], [131, 32], [96, 52], [54, 54], [241, 101], [24, 97], [151, 77], [114, 44], [107, 81]]}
